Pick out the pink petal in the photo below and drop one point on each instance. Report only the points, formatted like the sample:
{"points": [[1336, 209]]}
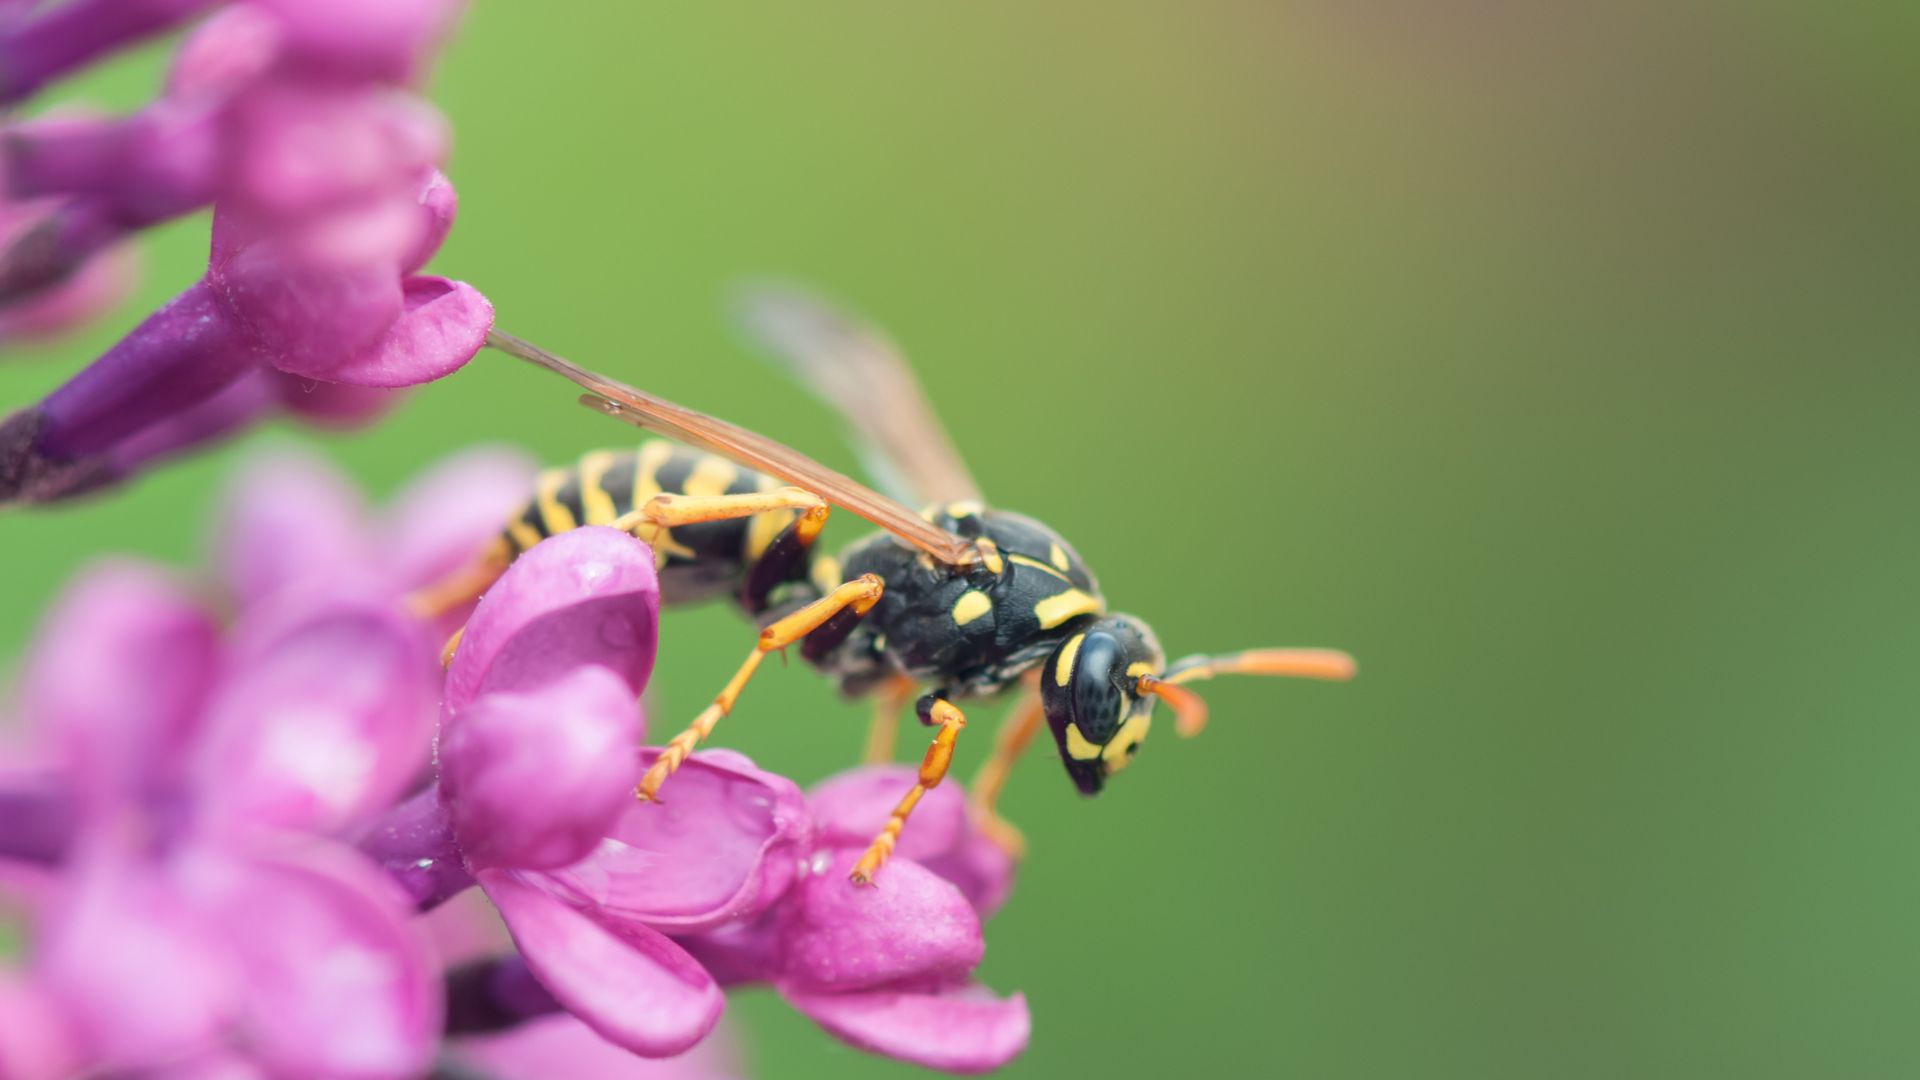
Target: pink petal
{"points": [[339, 980], [445, 323], [118, 678], [911, 925], [562, 1046], [438, 205], [332, 405], [723, 846], [308, 145], [444, 519], [631, 984], [533, 780], [378, 38], [849, 808], [289, 518], [122, 922], [465, 928], [223, 54], [588, 596], [35, 1043], [327, 716], [959, 1031]]}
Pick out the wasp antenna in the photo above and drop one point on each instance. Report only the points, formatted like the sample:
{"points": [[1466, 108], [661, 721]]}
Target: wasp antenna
{"points": [[1189, 711], [1329, 664]]}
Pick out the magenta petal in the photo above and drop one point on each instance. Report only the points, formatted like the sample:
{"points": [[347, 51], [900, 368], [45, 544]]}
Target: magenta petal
{"points": [[965, 1030], [631, 984], [332, 405], [224, 53], [118, 679], [34, 1041], [560, 1046], [589, 596], [327, 716], [438, 205], [443, 520], [445, 323], [289, 517], [911, 925], [850, 807], [724, 844], [379, 38], [340, 982], [533, 780]]}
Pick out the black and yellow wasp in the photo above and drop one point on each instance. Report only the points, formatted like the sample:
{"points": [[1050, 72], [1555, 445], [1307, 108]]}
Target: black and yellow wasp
{"points": [[958, 598]]}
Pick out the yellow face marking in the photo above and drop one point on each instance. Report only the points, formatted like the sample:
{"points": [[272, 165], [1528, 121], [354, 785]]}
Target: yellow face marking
{"points": [[826, 573], [964, 509], [1131, 733], [593, 495], [1063, 667], [972, 604], [711, 476], [1059, 558], [1036, 564], [1055, 610], [555, 516], [524, 535], [1078, 748], [1139, 668], [646, 470], [990, 556]]}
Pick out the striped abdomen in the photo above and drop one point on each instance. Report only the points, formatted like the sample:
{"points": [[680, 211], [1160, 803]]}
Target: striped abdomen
{"points": [[695, 561]]}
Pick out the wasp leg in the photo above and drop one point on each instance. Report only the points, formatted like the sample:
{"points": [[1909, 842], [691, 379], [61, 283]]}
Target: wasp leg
{"points": [[884, 728], [463, 585], [856, 598], [934, 709], [1016, 734], [668, 510]]}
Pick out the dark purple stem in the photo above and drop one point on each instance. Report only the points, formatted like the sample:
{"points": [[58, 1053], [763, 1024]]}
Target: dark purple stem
{"points": [[415, 843], [494, 995]]}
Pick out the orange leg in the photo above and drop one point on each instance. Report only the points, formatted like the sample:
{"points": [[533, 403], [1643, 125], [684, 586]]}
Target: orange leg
{"points": [[1016, 734], [859, 594], [464, 584], [884, 728], [933, 769]]}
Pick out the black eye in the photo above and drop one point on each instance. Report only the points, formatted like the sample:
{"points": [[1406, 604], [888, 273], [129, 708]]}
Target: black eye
{"points": [[1096, 700]]}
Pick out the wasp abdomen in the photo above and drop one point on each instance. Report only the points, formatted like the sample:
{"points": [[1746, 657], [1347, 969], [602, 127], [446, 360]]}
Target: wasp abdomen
{"points": [[696, 561]]}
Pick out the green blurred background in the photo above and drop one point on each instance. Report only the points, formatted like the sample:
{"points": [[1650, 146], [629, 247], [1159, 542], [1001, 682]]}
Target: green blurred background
{"points": [[1559, 363]]}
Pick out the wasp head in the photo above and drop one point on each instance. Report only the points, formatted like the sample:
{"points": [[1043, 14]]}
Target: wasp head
{"points": [[1090, 690]]}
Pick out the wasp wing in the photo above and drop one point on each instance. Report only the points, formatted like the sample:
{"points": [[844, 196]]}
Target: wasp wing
{"points": [[746, 448], [858, 370]]}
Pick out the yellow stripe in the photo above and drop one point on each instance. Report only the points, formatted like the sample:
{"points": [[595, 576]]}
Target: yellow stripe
{"points": [[1078, 747], [646, 470], [763, 528], [972, 604], [825, 573], [1022, 560], [1060, 559], [1063, 664], [553, 515], [1131, 733], [1055, 610], [523, 535], [593, 494], [711, 476]]}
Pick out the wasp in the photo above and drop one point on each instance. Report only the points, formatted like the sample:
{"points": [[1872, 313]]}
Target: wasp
{"points": [[960, 599]]}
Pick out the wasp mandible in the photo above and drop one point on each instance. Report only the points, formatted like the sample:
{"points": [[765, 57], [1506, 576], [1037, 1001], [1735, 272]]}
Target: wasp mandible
{"points": [[958, 598]]}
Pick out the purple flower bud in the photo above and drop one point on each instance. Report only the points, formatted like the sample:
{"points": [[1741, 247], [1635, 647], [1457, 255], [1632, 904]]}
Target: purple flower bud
{"points": [[534, 779], [49, 44]]}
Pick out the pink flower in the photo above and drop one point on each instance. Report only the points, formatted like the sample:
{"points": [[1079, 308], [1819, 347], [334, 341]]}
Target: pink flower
{"points": [[327, 203], [208, 772], [848, 809]]}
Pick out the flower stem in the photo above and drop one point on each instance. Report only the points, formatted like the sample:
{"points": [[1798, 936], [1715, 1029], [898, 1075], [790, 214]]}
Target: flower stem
{"points": [[414, 842]]}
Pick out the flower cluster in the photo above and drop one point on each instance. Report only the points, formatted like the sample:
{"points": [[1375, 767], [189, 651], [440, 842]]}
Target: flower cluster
{"points": [[231, 831], [293, 120]]}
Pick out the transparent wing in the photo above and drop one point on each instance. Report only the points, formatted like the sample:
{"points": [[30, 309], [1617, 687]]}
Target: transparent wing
{"points": [[856, 369], [746, 448]]}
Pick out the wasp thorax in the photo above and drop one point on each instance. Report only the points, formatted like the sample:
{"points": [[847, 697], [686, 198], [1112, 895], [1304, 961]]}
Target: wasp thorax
{"points": [[1088, 689]]}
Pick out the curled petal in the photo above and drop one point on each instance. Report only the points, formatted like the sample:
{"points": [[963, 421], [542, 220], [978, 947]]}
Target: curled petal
{"points": [[443, 324], [589, 596], [910, 927], [965, 1030], [327, 716], [723, 846], [631, 984], [289, 517], [118, 678], [443, 520], [534, 779], [851, 807], [339, 982]]}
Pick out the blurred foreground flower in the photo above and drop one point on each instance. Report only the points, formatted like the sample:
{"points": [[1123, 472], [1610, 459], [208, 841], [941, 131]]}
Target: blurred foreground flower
{"points": [[289, 118]]}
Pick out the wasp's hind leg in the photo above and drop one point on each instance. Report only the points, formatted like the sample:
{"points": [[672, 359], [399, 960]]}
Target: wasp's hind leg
{"points": [[463, 585], [934, 709], [1016, 734], [884, 729], [832, 615]]}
